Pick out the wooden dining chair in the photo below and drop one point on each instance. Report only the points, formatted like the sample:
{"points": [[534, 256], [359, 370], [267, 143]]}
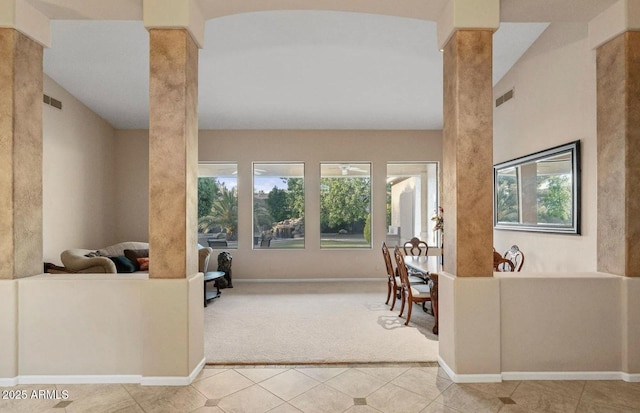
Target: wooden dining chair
{"points": [[501, 264], [410, 293], [391, 275], [415, 247], [515, 256], [394, 284]]}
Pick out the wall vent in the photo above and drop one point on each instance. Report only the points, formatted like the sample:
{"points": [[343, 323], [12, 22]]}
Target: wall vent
{"points": [[52, 102], [502, 99]]}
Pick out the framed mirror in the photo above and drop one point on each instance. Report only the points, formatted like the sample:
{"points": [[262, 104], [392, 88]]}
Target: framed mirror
{"points": [[539, 192]]}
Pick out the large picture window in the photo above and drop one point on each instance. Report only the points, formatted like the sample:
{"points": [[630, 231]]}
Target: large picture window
{"points": [[412, 200], [278, 205], [218, 205], [345, 205]]}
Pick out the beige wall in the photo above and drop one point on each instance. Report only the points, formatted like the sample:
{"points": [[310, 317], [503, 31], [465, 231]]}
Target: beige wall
{"points": [[78, 183], [554, 103], [132, 181], [105, 328]]}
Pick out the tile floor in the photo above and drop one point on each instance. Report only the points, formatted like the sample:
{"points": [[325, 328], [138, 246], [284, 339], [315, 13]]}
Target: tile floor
{"points": [[351, 389]]}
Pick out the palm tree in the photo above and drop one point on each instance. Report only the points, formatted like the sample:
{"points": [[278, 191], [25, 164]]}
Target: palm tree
{"points": [[224, 213]]}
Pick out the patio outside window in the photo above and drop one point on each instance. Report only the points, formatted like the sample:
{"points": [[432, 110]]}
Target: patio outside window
{"points": [[345, 205], [278, 205], [218, 205], [412, 200]]}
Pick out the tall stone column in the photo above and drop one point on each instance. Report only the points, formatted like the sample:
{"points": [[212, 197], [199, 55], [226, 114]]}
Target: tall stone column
{"points": [[469, 296], [173, 153], [468, 153], [618, 89], [21, 84]]}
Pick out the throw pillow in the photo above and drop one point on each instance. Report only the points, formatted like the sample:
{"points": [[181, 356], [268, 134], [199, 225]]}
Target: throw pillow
{"points": [[133, 256], [93, 254], [143, 264], [123, 264]]}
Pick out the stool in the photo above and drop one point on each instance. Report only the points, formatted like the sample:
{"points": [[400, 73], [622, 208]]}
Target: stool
{"points": [[208, 277]]}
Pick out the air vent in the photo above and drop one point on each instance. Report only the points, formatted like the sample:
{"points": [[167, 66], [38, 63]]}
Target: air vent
{"points": [[502, 99], [52, 102]]}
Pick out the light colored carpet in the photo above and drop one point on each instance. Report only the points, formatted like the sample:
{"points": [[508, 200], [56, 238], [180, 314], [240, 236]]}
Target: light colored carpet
{"points": [[314, 322]]}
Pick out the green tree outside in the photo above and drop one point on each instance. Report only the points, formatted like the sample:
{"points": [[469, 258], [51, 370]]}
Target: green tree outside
{"points": [[344, 202], [223, 213], [554, 200]]}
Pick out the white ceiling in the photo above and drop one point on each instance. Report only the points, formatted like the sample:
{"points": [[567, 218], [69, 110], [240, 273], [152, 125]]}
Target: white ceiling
{"points": [[283, 69]]}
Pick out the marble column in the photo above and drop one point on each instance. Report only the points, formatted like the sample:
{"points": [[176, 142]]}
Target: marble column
{"points": [[21, 85], [173, 157], [618, 90], [468, 154]]}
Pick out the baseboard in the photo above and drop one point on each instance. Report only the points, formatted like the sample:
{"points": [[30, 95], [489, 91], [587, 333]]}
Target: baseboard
{"points": [[174, 380], [105, 379], [562, 375], [538, 375], [297, 280], [469, 378], [8, 381], [633, 378]]}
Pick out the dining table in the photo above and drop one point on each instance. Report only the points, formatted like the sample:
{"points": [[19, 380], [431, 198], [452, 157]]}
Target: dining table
{"points": [[427, 267]]}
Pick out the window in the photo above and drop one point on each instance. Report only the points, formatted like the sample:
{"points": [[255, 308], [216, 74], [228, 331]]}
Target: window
{"points": [[345, 205], [218, 205], [278, 205], [412, 200]]}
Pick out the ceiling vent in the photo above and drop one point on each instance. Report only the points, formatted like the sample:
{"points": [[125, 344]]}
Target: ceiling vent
{"points": [[502, 99], [52, 102]]}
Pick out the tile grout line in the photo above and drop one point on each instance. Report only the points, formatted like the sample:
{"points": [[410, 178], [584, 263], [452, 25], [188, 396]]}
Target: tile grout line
{"points": [[584, 386]]}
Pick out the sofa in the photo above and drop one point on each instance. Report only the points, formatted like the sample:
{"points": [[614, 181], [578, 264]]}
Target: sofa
{"points": [[109, 259]]}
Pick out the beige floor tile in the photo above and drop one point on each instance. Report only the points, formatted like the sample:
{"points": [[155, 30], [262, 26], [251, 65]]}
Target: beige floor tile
{"points": [[285, 408], [222, 384], [394, 399], [208, 372], [355, 383], [253, 399], [322, 374], [547, 396], [131, 409], [585, 407], [207, 409], [469, 400], [160, 399], [385, 374], [439, 408], [514, 408], [98, 398], [614, 393], [257, 375], [289, 384], [362, 409], [502, 389], [565, 388], [422, 383], [322, 399]]}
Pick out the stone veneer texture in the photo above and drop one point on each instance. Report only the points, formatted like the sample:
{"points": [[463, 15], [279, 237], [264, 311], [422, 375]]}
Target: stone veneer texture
{"points": [[173, 151], [468, 154], [21, 85], [618, 88]]}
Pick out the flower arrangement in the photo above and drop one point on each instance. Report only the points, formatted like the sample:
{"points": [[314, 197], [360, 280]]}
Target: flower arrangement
{"points": [[438, 218]]}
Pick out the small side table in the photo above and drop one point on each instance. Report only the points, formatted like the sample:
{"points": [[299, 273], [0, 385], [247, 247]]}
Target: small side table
{"points": [[208, 277]]}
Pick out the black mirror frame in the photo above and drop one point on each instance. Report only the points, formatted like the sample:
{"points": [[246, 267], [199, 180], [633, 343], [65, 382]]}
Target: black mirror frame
{"points": [[574, 229]]}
